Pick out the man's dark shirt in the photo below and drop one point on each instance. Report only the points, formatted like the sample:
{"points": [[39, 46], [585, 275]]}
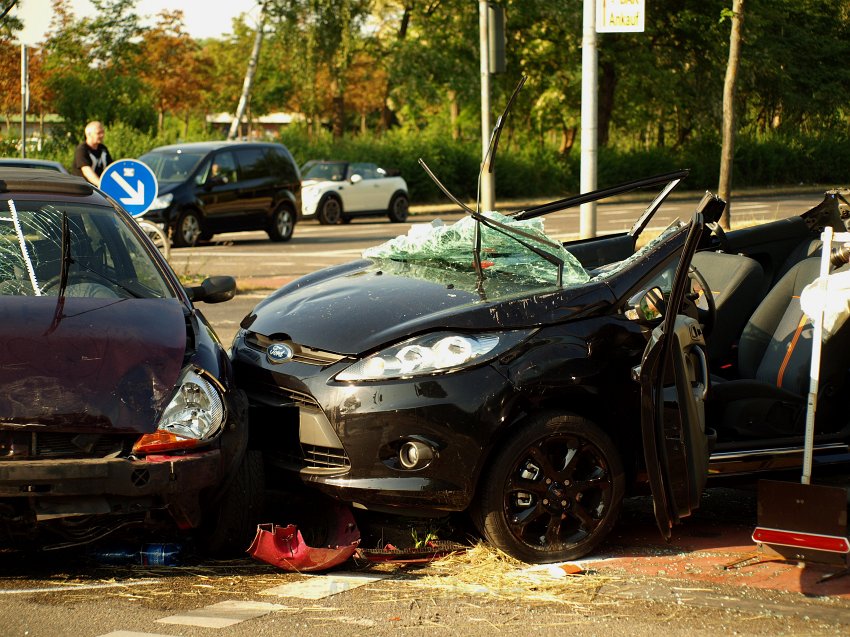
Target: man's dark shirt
{"points": [[98, 159]]}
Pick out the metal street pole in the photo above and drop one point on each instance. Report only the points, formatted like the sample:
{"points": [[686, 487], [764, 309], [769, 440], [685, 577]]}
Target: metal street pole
{"points": [[24, 99], [589, 116], [488, 182]]}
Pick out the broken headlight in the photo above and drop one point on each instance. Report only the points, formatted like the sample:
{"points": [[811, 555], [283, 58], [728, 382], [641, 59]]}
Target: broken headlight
{"points": [[440, 352], [193, 416]]}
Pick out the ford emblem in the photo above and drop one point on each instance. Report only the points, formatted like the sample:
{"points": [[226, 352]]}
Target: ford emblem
{"points": [[279, 353]]}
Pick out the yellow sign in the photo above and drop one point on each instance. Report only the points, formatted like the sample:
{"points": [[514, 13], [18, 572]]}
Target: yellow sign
{"points": [[620, 16]]}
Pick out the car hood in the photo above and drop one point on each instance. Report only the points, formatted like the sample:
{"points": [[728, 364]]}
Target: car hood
{"points": [[358, 307], [88, 364]]}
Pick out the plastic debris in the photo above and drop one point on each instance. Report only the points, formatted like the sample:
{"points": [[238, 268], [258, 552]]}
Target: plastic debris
{"points": [[285, 548], [431, 551]]}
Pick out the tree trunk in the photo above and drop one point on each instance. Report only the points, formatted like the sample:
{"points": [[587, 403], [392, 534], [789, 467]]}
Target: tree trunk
{"points": [[454, 114], [249, 75], [607, 85], [727, 152], [568, 139]]}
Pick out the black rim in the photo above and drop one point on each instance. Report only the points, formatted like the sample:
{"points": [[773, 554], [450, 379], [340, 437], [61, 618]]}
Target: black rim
{"points": [[557, 493], [332, 211]]}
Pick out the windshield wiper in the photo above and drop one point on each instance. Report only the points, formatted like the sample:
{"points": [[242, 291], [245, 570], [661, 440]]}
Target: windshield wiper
{"points": [[67, 259]]}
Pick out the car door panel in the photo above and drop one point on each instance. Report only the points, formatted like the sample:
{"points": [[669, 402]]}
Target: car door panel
{"points": [[674, 382]]}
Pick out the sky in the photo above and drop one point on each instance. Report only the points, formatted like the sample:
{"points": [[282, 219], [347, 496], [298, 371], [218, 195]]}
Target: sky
{"points": [[203, 18]]}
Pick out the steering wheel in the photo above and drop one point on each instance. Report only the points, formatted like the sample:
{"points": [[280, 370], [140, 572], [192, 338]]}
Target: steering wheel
{"points": [[708, 314], [77, 277], [719, 234]]}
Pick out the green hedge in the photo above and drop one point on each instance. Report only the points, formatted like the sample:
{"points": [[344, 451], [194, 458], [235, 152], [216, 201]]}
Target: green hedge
{"points": [[526, 169]]}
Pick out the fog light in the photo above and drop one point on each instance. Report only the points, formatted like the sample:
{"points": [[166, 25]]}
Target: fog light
{"points": [[414, 454]]}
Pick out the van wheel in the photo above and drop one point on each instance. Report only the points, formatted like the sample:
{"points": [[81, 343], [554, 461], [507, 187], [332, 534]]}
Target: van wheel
{"points": [[330, 210], [554, 492], [232, 524], [399, 208], [188, 230], [282, 225]]}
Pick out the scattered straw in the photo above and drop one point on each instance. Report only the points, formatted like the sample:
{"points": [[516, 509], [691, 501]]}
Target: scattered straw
{"points": [[487, 571]]}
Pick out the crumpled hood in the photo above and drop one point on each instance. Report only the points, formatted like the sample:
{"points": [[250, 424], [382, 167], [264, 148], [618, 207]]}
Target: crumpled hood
{"points": [[358, 307], [102, 364]]}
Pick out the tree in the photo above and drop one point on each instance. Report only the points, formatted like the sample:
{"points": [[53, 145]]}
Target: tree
{"points": [[728, 148], [171, 66]]}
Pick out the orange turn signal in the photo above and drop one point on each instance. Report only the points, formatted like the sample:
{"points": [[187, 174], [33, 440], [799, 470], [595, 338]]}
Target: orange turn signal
{"points": [[162, 441]]}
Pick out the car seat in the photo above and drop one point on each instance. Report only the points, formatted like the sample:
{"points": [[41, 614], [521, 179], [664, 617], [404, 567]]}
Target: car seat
{"points": [[768, 398], [736, 284]]}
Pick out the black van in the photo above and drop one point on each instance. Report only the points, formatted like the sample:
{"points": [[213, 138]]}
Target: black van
{"points": [[210, 187]]}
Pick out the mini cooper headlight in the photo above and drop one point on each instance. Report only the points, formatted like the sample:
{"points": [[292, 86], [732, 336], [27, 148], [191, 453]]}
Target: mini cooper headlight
{"points": [[440, 352], [194, 415]]}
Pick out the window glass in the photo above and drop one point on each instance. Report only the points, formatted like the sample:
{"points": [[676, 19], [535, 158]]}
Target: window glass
{"points": [[105, 258], [172, 166], [224, 167], [280, 165], [367, 171], [252, 163]]}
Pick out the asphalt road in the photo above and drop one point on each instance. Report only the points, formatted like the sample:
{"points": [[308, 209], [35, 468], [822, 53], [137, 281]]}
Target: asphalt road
{"points": [[261, 265]]}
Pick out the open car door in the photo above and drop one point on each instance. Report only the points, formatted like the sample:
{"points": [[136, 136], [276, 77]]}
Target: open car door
{"points": [[674, 382]]}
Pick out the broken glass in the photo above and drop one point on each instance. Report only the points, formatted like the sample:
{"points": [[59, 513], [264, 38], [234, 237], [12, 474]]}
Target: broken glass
{"points": [[437, 244]]}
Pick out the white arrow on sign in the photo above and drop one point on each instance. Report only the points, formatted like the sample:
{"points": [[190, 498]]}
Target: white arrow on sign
{"points": [[137, 197]]}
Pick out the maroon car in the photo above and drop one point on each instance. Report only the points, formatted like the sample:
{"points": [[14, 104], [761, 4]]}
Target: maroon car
{"points": [[117, 402]]}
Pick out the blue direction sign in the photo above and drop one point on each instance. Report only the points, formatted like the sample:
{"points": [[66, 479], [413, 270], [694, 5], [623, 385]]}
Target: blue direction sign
{"points": [[131, 183]]}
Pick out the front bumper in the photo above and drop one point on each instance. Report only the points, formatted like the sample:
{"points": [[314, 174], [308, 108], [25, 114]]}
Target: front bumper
{"points": [[345, 438], [69, 487]]}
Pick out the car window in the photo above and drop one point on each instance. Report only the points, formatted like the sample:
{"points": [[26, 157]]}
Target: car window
{"points": [[280, 164], [367, 171], [224, 166], [172, 166], [252, 163], [105, 257], [325, 171]]}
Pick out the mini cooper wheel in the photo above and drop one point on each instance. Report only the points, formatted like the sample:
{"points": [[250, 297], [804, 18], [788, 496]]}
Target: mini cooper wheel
{"points": [[282, 224], [188, 230], [330, 210], [554, 492], [399, 208]]}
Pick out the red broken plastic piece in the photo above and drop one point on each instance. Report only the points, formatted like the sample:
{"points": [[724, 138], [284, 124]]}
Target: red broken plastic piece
{"points": [[283, 546]]}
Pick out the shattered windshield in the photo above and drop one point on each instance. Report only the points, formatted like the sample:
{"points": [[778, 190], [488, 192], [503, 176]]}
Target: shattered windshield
{"points": [[101, 256], [451, 246]]}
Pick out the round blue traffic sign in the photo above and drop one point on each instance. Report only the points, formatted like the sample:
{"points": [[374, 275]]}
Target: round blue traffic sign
{"points": [[131, 183]]}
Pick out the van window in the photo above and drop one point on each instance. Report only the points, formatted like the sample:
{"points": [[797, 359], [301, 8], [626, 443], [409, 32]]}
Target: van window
{"points": [[251, 163], [224, 165], [280, 165]]}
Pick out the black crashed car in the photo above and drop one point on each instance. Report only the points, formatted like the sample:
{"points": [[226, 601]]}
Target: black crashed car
{"points": [[484, 367], [118, 408], [211, 187]]}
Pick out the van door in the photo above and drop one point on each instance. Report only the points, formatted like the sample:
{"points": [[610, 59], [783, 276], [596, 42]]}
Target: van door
{"points": [[219, 193], [674, 382]]}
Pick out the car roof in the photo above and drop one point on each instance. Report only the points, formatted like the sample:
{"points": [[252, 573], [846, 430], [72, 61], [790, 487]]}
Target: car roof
{"points": [[23, 162], [210, 146], [27, 180]]}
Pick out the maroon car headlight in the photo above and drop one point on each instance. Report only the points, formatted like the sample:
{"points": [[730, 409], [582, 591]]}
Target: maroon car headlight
{"points": [[193, 416], [436, 353]]}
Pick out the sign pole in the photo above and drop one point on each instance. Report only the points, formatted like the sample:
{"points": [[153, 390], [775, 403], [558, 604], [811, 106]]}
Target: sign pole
{"points": [[24, 99], [589, 115], [488, 185]]}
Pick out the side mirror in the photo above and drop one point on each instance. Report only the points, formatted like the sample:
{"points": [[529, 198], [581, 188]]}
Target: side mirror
{"points": [[356, 179], [648, 307], [215, 289]]}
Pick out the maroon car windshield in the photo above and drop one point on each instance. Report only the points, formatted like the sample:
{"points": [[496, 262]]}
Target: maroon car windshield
{"points": [[48, 248]]}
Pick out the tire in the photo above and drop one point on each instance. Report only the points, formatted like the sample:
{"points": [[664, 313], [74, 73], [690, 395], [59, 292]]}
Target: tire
{"points": [[554, 492], [188, 230], [399, 208], [329, 210], [229, 528], [282, 224]]}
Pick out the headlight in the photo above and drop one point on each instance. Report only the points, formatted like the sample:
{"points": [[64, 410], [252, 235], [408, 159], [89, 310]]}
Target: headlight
{"points": [[440, 352], [163, 201], [194, 415]]}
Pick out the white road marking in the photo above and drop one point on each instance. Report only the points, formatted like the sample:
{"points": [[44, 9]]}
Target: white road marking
{"points": [[222, 614], [78, 587], [321, 586]]}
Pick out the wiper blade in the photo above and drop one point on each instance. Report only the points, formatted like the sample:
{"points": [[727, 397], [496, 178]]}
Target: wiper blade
{"points": [[67, 259]]}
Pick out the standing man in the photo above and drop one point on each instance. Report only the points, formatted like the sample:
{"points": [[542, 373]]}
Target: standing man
{"points": [[92, 157]]}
